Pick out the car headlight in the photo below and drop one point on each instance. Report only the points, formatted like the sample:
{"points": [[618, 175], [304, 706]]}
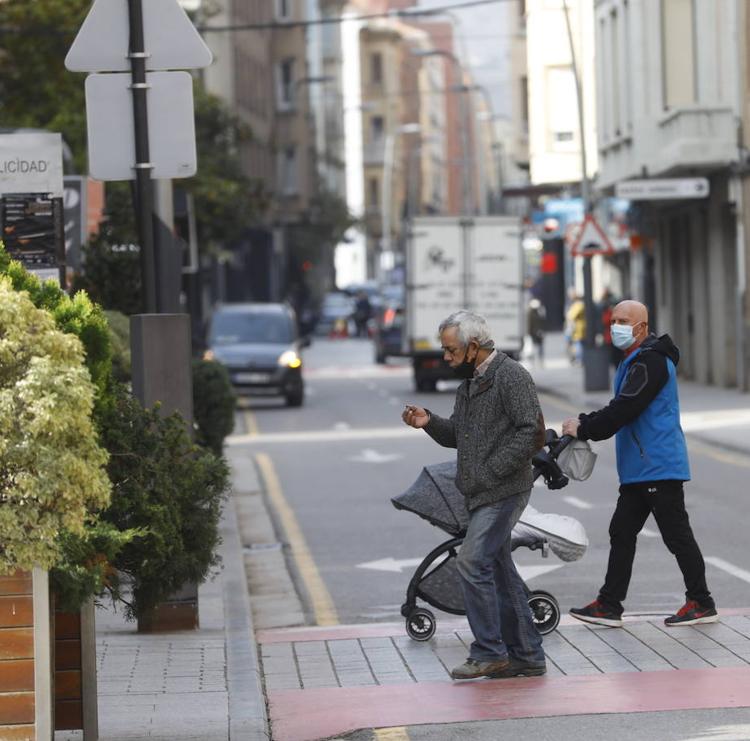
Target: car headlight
{"points": [[290, 359]]}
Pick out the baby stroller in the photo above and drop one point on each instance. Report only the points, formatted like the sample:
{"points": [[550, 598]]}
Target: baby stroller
{"points": [[434, 497]]}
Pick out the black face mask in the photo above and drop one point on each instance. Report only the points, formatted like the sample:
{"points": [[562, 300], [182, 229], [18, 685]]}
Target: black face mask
{"points": [[467, 367]]}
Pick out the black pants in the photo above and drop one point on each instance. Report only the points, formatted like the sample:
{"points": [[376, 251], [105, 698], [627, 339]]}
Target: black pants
{"points": [[666, 500]]}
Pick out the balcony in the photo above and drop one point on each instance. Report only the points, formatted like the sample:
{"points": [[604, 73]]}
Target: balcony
{"points": [[374, 152], [695, 137]]}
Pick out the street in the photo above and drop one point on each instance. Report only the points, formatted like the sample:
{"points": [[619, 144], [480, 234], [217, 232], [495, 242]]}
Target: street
{"points": [[340, 458]]}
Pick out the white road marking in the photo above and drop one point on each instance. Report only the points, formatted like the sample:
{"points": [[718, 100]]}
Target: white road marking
{"points": [[648, 533], [577, 503], [730, 568], [372, 456], [323, 436], [398, 565], [713, 420], [390, 564]]}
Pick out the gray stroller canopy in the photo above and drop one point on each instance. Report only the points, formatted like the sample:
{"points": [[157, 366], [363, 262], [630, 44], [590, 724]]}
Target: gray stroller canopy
{"points": [[435, 498]]}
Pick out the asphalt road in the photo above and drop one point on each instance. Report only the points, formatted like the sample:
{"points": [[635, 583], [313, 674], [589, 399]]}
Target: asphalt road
{"points": [[342, 456]]}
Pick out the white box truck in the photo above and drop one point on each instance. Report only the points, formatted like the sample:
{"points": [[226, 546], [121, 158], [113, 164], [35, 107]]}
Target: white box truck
{"points": [[454, 263]]}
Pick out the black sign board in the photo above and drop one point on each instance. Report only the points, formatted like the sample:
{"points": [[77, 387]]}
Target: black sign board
{"points": [[32, 228]]}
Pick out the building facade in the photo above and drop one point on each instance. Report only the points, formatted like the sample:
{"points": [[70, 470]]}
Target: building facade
{"points": [[670, 104]]}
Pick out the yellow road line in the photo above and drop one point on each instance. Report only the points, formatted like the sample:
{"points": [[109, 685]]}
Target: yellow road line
{"points": [[392, 734], [559, 403], [322, 604], [251, 424], [723, 456]]}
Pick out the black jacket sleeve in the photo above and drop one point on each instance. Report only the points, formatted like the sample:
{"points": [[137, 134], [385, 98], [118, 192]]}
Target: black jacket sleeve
{"points": [[646, 376]]}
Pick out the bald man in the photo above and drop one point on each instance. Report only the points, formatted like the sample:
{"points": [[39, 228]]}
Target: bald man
{"points": [[652, 464]]}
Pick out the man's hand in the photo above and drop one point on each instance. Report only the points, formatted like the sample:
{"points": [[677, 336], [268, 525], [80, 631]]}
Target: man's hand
{"points": [[415, 416], [570, 426]]}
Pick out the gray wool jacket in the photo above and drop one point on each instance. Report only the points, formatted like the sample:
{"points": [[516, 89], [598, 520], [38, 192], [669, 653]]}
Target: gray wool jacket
{"points": [[497, 426]]}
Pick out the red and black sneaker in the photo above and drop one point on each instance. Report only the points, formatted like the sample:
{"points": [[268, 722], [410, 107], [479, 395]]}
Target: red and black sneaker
{"points": [[692, 613], [598, 614]]}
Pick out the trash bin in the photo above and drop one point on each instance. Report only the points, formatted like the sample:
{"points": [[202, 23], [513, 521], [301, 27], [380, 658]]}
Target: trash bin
{"points": [[596, 368]]}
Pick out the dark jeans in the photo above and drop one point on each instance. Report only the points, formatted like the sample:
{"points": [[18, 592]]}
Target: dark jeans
{"points": [[666, 500], [494, 593]]}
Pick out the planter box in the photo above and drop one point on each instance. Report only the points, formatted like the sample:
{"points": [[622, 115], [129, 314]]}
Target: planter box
{"points": [[75, 672], [180, 612], [25, 657]]}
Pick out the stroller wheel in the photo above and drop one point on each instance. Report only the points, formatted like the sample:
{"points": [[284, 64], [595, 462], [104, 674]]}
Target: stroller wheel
{"points": [[420, 624], [545, 612]]}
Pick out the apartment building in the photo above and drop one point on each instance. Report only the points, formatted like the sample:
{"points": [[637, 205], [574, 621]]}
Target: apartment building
{"points": [[672, 88], [554, 133], [283, 79]]}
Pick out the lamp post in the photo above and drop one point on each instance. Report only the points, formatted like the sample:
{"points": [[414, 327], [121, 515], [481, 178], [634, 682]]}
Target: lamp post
{"points": [[388, 159], [461, 87]]}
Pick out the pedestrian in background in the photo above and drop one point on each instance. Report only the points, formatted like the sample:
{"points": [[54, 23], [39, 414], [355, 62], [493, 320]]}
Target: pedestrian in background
{"points": [[497, 427], [535, 316], [362, 314], [575, 319], [606, 307], [652, 464]]}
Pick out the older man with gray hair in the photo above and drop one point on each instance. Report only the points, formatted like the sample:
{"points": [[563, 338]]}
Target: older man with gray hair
{"points": [[495, 425]]}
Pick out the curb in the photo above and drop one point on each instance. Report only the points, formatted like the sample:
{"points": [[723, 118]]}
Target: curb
{"points": [[248, 717]]}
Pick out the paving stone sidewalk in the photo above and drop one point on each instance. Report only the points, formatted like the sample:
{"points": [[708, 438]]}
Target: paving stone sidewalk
{"points": [[295, 659]]}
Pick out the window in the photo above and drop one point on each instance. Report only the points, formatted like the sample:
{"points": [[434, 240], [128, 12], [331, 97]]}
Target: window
{"points": [[562, 105], [524, 103], [285, 85], [373, 192], [288, 170], [678, 52], [377, 129], [376, 68], [283, 9], [614, 50]]}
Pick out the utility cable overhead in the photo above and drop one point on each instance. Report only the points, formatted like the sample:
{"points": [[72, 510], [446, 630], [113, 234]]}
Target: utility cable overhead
{"points": [[404, 14]]}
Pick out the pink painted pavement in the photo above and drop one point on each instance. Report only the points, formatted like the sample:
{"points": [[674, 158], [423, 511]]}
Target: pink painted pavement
{"points": [[306, 715]]}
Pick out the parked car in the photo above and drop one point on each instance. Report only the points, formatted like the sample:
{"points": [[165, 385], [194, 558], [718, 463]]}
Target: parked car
{"points": [[337, 307], [261, 349], [389, 325]]}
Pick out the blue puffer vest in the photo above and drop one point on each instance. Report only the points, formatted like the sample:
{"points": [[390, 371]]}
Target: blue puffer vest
{"points": [[652, 447]]}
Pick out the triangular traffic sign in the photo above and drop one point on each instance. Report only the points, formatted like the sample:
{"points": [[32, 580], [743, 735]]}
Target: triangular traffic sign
{"points": [[591, 239], [102, 43]]}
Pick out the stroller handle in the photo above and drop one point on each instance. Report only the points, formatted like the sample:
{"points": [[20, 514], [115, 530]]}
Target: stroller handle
{"points": [[545, 461]]}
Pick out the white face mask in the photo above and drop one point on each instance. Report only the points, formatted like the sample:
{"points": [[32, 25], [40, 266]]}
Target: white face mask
{"points": [[622, 336]]}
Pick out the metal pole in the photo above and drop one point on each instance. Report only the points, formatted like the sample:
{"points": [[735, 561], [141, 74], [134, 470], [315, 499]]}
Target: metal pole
{"points": [[465, 123], [143, 187], [585, 186], [385, 208]]}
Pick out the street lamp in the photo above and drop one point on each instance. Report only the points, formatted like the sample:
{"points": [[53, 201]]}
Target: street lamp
{"points": [[463, 103], [388, 157]]}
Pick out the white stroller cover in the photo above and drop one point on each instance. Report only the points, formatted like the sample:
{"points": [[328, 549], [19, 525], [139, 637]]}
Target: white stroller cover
{"points": [[565, 535]]}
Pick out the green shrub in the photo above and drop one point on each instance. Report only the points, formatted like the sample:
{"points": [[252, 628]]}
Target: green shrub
{"points": [[168, 489], [77, 316], [52, 472], [119, 335], [213, 404]]}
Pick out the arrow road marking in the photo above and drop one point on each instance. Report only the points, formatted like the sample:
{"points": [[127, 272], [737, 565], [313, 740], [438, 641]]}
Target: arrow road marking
{"points": [[577, 503], [398, 565], [372, 456], [390, 564]]}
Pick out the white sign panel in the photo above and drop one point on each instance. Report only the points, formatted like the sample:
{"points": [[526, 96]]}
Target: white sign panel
{"points": [[496, 284], [170, 39], [31, 163], [435, 270], [662, 189], [171, 126]]}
